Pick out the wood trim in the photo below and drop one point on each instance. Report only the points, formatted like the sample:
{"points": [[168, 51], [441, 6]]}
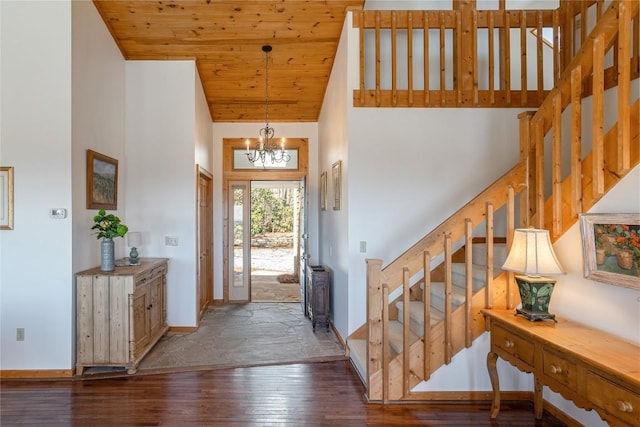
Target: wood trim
{"points": [[36, 373], [184, 329]]}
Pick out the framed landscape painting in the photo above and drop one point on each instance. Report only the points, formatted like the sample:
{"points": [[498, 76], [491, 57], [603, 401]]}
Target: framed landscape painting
{"points": [[102, 181], [611, 248], [6, 198]]}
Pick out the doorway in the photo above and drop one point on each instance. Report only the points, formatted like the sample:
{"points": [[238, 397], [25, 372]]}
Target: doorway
{"points": [[266, 228], [254, 257], [275, 230]]}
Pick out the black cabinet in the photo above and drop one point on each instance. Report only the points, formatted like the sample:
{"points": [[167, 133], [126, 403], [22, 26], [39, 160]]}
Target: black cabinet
{"points": [[318, 296]]}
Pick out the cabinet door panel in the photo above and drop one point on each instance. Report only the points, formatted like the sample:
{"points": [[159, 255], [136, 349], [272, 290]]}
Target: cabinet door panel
{"points": [[155, 308], [140, 318]]}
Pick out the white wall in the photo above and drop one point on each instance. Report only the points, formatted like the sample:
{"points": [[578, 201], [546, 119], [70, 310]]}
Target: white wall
{"points": [[203, 129], [333, 134], [98, 112], [161, 176], [250, 130], [36, 278]]}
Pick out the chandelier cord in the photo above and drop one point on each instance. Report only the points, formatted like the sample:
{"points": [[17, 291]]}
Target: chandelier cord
{"points": [[266, 88]]}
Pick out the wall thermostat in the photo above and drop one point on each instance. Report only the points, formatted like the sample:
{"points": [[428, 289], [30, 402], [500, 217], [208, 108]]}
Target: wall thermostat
{"points": [[58, 213]]}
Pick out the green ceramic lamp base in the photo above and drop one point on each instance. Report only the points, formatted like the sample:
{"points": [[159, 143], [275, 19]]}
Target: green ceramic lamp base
{"points": [[535, 294]]}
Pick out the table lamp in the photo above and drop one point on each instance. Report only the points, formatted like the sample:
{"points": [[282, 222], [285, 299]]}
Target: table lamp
{"points": [[134, 239], [532, 256]]}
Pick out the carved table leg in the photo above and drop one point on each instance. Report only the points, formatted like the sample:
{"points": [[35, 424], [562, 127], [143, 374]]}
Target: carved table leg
{"points": [[492, 358], [537, 397]]}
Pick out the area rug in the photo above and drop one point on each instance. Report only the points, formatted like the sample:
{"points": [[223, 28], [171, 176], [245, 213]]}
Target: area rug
{"points": [[238, 335]]}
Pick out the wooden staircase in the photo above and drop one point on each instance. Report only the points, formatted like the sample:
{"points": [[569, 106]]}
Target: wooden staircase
{"points": [[424, 307]]}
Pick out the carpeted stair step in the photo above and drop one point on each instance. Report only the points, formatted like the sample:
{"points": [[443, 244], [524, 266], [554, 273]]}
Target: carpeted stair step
{"points": [[396, 336], [416, 315]]}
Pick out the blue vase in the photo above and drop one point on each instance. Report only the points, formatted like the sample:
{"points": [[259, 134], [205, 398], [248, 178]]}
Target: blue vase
{"points": [[107, 257]]}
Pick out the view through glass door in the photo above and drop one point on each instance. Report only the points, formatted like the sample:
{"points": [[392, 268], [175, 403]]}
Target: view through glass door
{"points": [[276, 208]]}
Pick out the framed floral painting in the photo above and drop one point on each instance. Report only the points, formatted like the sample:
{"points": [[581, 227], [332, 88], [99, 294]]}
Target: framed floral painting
{"points": [[611, 248]]}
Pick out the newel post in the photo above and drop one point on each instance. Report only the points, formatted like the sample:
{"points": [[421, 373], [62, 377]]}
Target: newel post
{"points": [[375, 306]]}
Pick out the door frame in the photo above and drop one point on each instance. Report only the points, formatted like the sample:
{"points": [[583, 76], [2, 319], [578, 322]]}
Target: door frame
{"points": [[231, 174], [204, 233]]}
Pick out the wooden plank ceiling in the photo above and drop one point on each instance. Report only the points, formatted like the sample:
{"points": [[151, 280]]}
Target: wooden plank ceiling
{"points": [[226, 39]]}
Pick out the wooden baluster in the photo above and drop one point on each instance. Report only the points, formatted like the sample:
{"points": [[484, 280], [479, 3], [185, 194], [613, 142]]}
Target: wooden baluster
{"points": [[576, 141], [523, 57], [426, 297], [406, 332], [489, 247], [624, 90], [378, 58], [442, 62], [474, 50], [598, 118], [583, 22], [394, 58], [386, 358], [556, 165], [511, 216], [458, 81], [375, 308], [538, 140], [556, 47], [468, 271], [506, 52], [636, 36], [540, 61], [410, 56], [527, 155], [492, 68], [448, 326], [425, 36], [362, 59]]}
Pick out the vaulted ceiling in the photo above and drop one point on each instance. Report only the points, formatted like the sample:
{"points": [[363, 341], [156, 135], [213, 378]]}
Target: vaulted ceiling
{"points": [[226, 38]]}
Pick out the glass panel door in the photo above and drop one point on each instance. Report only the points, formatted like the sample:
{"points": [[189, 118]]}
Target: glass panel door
{"points": [[240, 240]]}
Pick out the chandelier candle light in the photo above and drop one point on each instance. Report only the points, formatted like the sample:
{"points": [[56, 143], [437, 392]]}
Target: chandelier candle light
{"points": [[266, 148], [532, 256]]}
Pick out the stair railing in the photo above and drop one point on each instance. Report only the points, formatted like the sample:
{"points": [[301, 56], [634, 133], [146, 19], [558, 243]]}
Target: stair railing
{"points": [[555, 207], [383, 281], [566, 188], [457, 67]]}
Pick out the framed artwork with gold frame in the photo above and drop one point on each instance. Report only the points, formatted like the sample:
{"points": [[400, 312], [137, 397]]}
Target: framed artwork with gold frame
{"points": [[102, 181], [336, 179]]}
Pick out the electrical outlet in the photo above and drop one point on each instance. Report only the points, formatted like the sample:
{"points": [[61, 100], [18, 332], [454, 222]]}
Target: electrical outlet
{"points": [[363, 247], [20, 334], [171, 241]]}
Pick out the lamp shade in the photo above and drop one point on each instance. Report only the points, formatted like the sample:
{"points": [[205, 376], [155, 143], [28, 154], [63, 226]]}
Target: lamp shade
{"points": [[134, 239], [532, 254]]}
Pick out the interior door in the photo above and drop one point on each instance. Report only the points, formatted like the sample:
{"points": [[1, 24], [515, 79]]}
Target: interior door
{"points": [[239, 241], [205, 240], [302, 242]]}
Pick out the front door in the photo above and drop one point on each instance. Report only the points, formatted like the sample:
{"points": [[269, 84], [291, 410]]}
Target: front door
{"points": [[239, 241]]}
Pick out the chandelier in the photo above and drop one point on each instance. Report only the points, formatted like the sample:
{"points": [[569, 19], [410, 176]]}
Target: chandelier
{"points": [[266, 149]]}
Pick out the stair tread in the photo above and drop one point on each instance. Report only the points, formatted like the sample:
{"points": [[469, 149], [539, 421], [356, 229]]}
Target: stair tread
{"points": [[396, 339], [417, 312]]}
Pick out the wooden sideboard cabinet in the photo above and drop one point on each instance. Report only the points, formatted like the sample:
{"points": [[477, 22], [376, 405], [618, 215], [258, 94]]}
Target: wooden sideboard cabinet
{"points": [[318, 296], [120, 314], [593, 369]]}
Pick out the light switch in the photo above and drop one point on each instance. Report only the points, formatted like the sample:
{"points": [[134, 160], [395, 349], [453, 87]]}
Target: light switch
{"points": [[171, 241], [363, 247]]}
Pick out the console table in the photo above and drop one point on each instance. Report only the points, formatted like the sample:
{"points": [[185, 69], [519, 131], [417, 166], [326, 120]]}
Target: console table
{"points": [[592, 368], [120, 314]]}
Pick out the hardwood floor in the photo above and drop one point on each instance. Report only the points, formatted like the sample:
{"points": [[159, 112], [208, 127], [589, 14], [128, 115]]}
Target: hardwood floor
{"points": [[318, 394]]}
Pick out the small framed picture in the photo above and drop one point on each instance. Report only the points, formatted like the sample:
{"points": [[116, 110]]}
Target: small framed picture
{"points": [[102, 181], [336, 178], [6, 198], [323, 191], [611, 248]]}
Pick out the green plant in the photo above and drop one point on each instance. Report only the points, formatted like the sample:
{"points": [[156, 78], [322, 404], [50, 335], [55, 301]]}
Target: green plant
{"points": [[108, 226]]}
